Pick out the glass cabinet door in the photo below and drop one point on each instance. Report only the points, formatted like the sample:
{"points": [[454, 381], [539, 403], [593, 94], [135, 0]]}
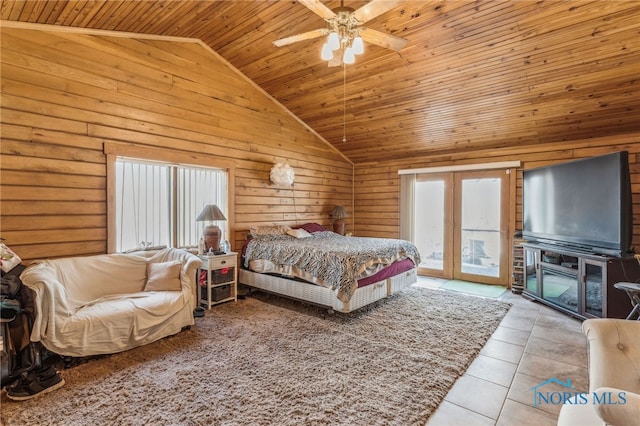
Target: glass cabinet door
{"points": [[531, 266], [560, 287], [592, 279]]}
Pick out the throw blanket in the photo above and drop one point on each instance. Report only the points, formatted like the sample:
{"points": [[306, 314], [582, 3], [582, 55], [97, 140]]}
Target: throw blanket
{"points": [[336, 260]]}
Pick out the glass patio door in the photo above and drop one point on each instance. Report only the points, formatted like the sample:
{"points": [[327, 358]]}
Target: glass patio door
{"points": [[433, 223], [481, 232], [461, 225]]}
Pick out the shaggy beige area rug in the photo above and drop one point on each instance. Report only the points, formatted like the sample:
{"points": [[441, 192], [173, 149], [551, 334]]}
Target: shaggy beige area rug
{"points": [[266, 360]]}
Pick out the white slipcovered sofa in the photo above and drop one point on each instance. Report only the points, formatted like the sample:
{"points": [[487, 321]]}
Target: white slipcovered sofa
{"points": [[113, 302], [614, 376]]}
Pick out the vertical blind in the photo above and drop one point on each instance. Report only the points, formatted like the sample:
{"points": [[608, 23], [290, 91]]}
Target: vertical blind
{"points": [[157, 203]]}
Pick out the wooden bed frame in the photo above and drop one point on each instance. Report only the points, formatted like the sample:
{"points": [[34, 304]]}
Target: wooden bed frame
{"points": [[326, 297]]}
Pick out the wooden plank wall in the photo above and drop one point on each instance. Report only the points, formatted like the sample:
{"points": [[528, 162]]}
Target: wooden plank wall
{"points": [[66, 94], [377, 185]]}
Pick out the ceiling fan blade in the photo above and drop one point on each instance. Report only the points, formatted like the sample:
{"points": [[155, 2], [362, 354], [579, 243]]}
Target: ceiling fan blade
{"points": [[318, 8], [374, 8], [300, 37], [336, 61], [381, 39]]}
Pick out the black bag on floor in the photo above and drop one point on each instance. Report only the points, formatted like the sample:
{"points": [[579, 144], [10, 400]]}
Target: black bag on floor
{"points": [[17, 353]]}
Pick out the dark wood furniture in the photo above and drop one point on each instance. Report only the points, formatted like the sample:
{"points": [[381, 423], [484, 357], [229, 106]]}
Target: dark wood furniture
{"points": [[578, 283]]}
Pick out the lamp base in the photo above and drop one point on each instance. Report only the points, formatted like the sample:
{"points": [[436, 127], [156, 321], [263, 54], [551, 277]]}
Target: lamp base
{"points": [[339, 227], [212, 235]]}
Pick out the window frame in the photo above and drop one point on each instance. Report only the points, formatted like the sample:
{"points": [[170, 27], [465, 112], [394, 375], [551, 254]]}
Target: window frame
{"points": [[174, 157]]}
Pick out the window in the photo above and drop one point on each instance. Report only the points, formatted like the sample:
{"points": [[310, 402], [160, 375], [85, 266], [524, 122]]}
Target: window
{"points": [[156, 203]]}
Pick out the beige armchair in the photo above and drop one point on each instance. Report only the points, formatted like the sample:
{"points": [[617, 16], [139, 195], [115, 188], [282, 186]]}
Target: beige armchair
{"points": [[614, 366]]}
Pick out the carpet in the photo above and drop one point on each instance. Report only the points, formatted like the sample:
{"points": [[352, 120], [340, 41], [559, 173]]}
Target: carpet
{"points": [[475, 289], [266, 360]]}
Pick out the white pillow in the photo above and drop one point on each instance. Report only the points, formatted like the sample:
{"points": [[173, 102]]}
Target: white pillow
{"points": [[163, 276], [298, 233]]}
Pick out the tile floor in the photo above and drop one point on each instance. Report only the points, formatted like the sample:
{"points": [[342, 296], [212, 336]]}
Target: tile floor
{"points": [[532, 344]]}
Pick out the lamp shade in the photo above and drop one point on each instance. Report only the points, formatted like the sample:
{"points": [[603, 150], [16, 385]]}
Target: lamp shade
{"points": [[338, 212], [358, 46], [282, 174], [349, 56], [333, 41], [326, 53], [210, 212]]}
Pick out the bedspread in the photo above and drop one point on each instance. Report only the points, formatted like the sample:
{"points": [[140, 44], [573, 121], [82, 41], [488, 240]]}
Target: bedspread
{"points": [[337, 261]]}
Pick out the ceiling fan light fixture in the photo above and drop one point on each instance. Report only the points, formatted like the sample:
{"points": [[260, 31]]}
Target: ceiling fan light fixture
{"points": [[349, 56], [333, 41], [327, 53], [344, 28], [358, 45]]}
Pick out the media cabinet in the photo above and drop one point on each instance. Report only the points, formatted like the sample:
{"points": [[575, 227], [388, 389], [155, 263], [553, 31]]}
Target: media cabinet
{"points": [[578, 283]]}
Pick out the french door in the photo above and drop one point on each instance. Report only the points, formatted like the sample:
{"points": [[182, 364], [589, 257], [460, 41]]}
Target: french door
{"points": [[461, 225]]}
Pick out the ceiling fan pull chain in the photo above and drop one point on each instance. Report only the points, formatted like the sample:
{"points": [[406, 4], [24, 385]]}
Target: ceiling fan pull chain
{"points": [[344, 103]]}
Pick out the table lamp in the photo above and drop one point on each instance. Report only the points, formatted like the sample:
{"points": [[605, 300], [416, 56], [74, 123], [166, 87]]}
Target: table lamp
{"points": [[338, 214], [211, 232]]}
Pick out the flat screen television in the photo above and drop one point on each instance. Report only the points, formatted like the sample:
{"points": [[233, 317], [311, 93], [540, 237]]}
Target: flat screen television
{"points": [[585, 204]]}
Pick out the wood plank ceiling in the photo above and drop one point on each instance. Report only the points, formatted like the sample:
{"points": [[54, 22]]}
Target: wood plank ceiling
{"points": [[474, 74]]}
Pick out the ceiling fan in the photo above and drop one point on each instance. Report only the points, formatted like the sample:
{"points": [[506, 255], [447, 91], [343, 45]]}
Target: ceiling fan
{"points": [[345, 32]]}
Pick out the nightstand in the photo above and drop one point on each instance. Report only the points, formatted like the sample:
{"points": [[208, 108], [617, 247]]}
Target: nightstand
{"points": [[222, 282]]}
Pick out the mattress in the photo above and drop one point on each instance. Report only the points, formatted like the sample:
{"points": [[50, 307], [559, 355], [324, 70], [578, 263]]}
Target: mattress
{"points": [[324, 296], [327, 259]]}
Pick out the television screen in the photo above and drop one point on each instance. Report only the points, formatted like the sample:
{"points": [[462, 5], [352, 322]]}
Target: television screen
{"points": [[584, 203]]}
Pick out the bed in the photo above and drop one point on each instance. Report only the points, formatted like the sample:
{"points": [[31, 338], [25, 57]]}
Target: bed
{"points": [[321, 267]]}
